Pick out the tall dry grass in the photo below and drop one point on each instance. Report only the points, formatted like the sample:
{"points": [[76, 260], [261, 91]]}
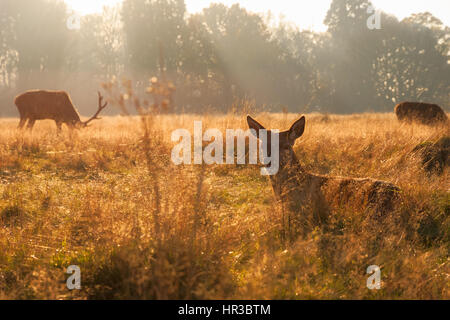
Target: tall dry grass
{"points": [[109, 200]]}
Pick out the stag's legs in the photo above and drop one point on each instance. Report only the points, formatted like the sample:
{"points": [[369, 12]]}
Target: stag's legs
{"points": [[59, 126], [22, 123], [30, 123]]}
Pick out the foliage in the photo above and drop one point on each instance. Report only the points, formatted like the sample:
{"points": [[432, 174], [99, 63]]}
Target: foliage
{"points": [[226, 54], [109, 200]]}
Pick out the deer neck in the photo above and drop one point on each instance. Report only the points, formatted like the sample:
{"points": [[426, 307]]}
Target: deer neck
{"points": [[299, 192], [290, 178]]}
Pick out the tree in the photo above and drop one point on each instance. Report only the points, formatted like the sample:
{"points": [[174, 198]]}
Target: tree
{"points": [[411, 64], [40, 39], [245, 58], [148, 25], [8, 56], [354, 48]]}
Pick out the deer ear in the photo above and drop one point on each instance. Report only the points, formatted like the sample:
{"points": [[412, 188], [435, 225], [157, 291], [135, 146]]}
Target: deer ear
{"points": [[255, 125], [297, 129]]}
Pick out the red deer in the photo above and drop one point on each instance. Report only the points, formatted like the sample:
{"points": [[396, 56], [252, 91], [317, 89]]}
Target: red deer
{"points": [[54, 105], [425, 113], [309, 198]]}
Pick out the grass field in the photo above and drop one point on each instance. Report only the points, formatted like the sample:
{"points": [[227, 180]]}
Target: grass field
{"points": [[109, 200]]}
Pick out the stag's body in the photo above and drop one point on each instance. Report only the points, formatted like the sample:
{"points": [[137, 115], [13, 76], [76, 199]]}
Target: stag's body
{"points": [[311, 197], [40, 104], [425, 113], [53, 105]]}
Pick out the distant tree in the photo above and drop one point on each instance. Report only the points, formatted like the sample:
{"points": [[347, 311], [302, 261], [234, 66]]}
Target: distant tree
{"points": [[97, 47], [323, 87], [354, 48], [225, 54], [8, 56], [412, 63], [148, 24], [245, 58], [440, 31], [40, 40], [197, 84], [296, 77], [346, 19]]}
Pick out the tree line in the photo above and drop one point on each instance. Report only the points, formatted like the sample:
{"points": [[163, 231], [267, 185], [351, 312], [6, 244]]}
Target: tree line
{"points": [[226, 54]]}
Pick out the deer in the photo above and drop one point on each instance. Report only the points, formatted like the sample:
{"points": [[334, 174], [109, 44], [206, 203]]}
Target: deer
{"points": [[425, 113], [310, 198], [54, 105]]}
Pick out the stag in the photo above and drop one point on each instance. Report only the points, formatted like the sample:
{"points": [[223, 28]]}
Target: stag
{"points": [[53, 105]]}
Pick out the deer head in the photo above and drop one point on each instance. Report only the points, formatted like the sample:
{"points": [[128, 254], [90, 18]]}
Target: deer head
{"points": [[286, 140]]}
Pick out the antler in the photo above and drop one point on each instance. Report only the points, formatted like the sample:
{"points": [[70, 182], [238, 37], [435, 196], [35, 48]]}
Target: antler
{"points": [[100, 108]]}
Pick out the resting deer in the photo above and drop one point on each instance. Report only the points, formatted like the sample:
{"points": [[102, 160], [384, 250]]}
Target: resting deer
{"points": [[311, 197], [54, 105], [425, 113]]}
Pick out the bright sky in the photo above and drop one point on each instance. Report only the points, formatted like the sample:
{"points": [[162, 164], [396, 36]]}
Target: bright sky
{"points": [[306, 14]]}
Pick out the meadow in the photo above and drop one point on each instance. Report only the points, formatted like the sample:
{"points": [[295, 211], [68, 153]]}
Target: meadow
{"points": [[109, 199]]}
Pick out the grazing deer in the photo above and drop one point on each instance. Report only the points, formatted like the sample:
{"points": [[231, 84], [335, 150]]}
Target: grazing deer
{"points": [[54, 105], [309, 198], [425, 113]]}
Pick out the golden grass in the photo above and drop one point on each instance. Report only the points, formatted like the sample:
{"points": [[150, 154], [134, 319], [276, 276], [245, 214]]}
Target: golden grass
{"points": [[109, 200]]}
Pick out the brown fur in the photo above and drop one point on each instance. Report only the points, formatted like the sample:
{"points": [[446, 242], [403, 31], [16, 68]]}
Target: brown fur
{"points": [[312, 197], [425, 113]]}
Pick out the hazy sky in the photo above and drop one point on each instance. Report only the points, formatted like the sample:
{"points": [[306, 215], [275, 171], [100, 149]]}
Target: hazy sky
{"points": [[305, 13]]}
